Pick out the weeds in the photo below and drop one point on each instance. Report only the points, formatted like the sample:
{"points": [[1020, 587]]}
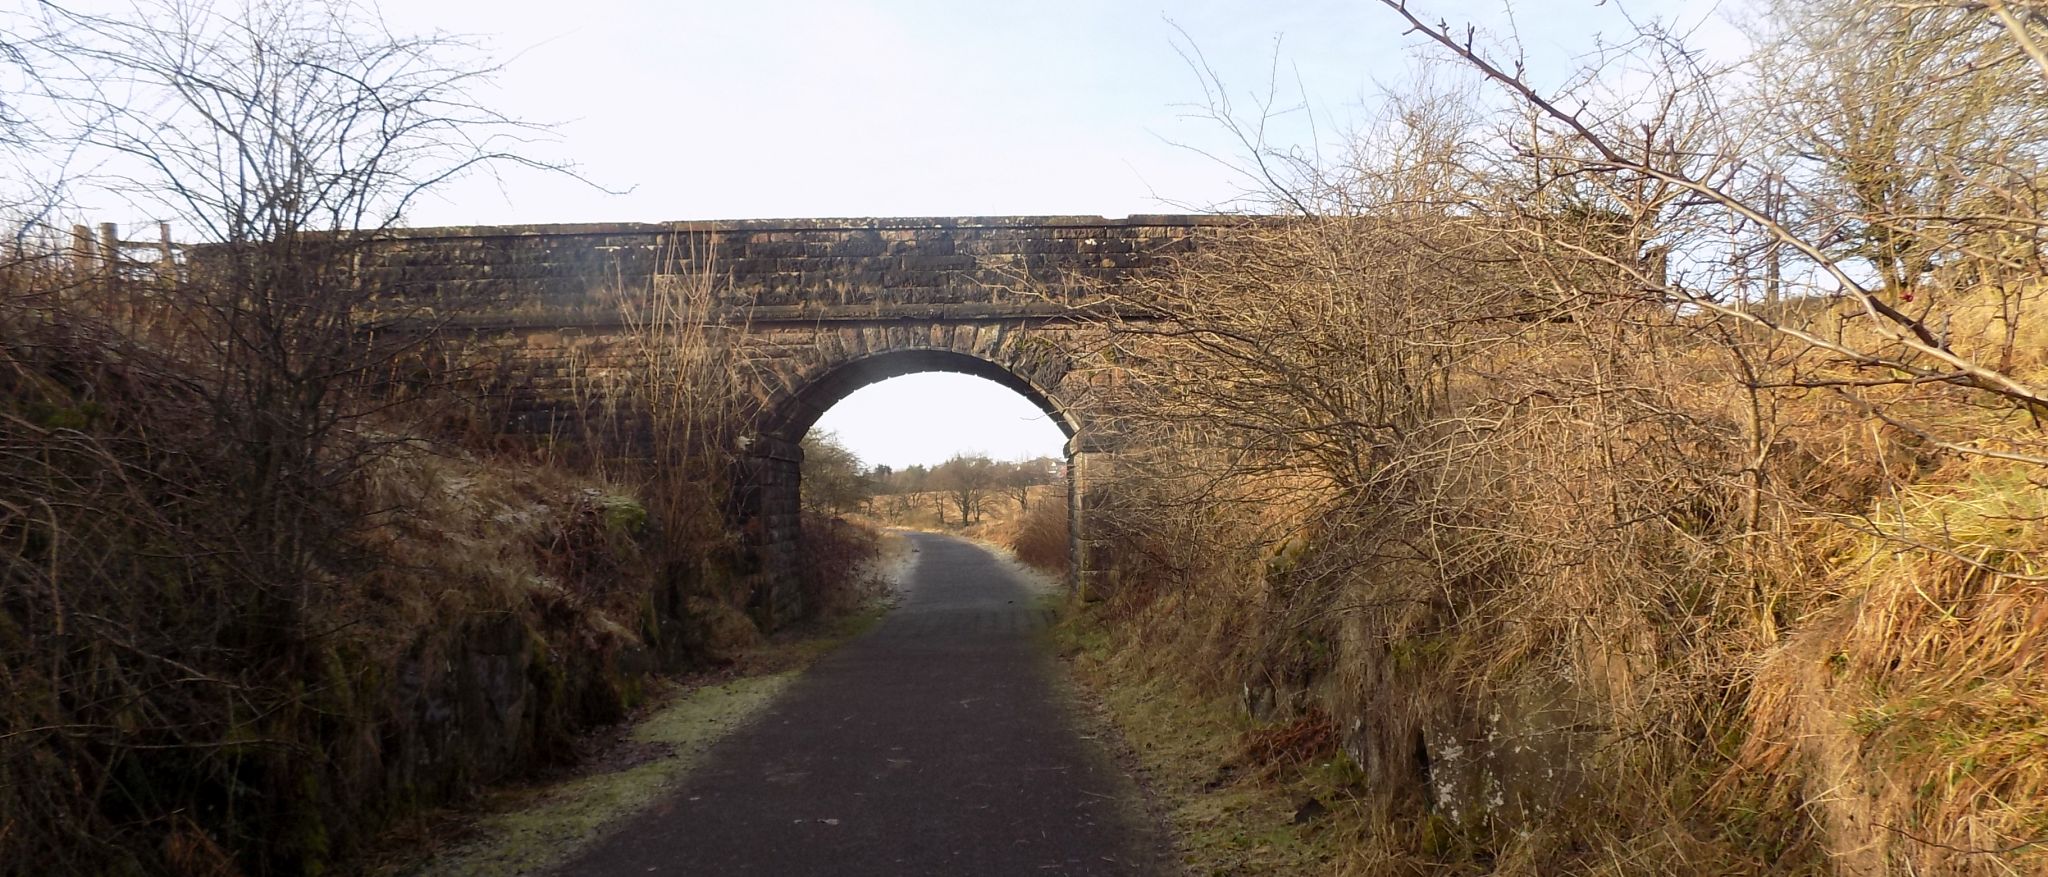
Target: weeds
{"points": [[1607, 543], [252, 608], [1041, 539]]}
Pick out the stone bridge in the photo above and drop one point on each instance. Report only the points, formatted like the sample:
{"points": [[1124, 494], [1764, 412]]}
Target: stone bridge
{"points": [[823, 307]]}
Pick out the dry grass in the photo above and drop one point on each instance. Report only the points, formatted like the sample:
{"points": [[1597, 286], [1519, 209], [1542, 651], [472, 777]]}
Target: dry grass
{"points": [[1231, 810], [1041, 536], [1916, 707], [190, 691], [1623, 593], [488, 536], [1000, 522]]}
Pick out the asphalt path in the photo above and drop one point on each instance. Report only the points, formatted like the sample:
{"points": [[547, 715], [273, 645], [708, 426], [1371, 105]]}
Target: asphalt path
{"points": [[938, 743]]}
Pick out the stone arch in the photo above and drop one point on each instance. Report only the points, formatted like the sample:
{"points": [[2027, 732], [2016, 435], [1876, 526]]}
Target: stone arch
{"points": [[791, 414], [806, 298], [798, 393]]}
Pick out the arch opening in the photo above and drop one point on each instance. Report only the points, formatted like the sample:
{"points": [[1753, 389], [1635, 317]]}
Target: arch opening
{"points": [[924, 418], [775, 476], [808, 403]]}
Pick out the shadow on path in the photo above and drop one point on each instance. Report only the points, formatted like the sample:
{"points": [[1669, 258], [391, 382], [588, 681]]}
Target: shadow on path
{"points": [[936, 744]]}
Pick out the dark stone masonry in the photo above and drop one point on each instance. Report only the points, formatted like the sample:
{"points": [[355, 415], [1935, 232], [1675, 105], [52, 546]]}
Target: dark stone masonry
{"points": [[821, 307], [807, 269]]}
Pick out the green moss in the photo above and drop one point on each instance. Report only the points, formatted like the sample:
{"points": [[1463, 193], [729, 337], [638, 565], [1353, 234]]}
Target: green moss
{"points": [[550, 681], [622, 515], [309, 838], [1439, 837], [631, 687], [1339, 774], [338, 688], [648, 616], [50, 416], [1287, 556], [558, 820]]}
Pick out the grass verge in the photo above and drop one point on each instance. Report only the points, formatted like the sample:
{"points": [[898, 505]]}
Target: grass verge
{"points": [[1235, 802], [531, 828]]}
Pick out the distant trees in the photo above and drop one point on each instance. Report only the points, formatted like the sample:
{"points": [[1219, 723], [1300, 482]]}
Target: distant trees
{"points": [[967, 480], [1019, 479], [963, 485], [834, 479], [915, 478]]}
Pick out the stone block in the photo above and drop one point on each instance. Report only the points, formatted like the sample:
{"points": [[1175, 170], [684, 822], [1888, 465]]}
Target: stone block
{"points": [[813, 295]]}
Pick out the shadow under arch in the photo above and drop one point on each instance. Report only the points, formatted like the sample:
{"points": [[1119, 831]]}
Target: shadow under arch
{"points": [[770, 495]]}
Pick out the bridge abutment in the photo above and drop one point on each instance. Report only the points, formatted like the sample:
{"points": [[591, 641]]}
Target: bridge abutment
{"points": [[769, 518]]}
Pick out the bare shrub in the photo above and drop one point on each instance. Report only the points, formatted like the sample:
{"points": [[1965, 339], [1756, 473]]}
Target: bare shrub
{"points": [[662, 409], [837, 568], [1041, 537], [196, 456], [1596, 431]]}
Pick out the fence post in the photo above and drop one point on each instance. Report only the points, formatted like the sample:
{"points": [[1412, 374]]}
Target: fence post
{"points": [[167, 268], [82, 257], [110, 251]]}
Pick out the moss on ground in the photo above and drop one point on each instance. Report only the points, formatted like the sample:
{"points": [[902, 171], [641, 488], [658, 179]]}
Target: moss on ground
{"points": [[545, 825], [529, 830]]}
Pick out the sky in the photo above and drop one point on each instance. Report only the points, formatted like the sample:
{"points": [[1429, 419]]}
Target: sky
{"points": [[799, 108], [715, 109], [691, 109], [925, 418]]}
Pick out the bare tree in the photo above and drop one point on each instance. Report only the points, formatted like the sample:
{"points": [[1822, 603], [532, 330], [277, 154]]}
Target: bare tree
{"points": [[172, 609], [832, 478], [967, 479], [1021, 477], [1909, 169], [286, 136], [1559, 398]]}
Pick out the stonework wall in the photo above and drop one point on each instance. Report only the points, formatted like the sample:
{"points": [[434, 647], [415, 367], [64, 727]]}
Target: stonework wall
{"points": [[820, 308], [779, 269]]}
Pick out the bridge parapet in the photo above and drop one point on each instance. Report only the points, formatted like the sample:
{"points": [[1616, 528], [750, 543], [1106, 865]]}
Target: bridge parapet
{"points": [[780, 270]]}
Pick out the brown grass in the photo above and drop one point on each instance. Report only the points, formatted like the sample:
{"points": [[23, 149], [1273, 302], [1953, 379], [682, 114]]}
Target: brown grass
{"points": [[180, 695], [836, 561], [1040, 538], [1591, 604]]}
